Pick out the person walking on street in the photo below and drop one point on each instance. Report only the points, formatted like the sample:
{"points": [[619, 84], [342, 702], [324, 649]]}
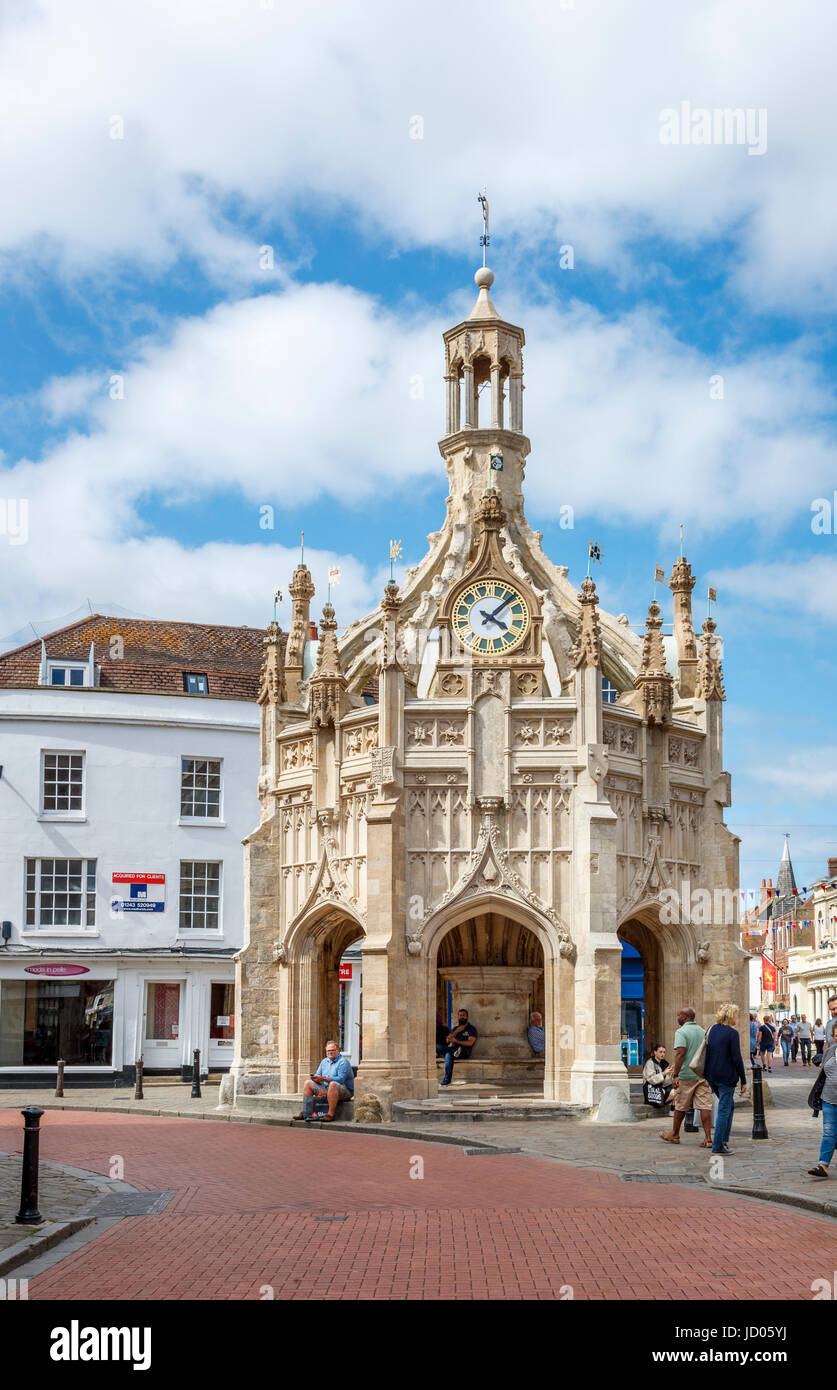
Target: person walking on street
{"points": [[754, 1036], [690, 1090], [829, 1037], [794, 1023], [828, 1099], [786, 1040], [804, 1031], [766, 1043], [724, 1067], [819, 1041]]}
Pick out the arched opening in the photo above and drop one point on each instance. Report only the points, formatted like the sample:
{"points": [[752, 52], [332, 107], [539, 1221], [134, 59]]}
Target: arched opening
{"points": [[314, 1006], [334, 945], [642, 975], [493, 966], [482, 388]]}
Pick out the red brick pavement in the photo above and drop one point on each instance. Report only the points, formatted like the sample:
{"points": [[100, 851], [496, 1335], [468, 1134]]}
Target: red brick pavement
{"points": [[506, 1227]]}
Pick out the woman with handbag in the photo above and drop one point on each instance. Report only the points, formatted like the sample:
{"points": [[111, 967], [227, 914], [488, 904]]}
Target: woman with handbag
{"points": [[824, 1097], [723, 1068], [656, 1086]]}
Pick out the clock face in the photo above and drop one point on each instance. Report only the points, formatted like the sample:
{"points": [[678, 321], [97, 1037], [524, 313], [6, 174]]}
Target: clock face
{"points": [[490, 617]]}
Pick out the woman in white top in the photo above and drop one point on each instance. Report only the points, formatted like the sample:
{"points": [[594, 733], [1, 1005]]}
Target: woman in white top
{"points": [[819, 1040], [656, 1073]]}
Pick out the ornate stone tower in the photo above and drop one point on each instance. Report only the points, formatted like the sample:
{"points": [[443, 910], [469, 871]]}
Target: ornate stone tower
{"points": [[491, 832]]}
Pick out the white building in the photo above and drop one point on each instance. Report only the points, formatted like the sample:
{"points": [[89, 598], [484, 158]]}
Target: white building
{"points": [[130, 761]]}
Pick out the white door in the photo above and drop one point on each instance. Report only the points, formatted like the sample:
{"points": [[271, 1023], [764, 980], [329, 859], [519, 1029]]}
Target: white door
{"points": [[221, 1023], [161, 1044]]}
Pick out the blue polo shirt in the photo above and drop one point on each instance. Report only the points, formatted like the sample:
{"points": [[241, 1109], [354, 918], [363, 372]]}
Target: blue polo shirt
{"points": [[338, 1070]]}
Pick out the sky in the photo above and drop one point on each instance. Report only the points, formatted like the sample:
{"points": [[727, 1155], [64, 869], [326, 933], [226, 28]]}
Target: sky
{"points": [[233, 232]]}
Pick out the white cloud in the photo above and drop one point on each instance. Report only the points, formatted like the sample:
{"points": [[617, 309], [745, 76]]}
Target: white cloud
{"points": [[805, 586], [315, 393], [557, 109]]}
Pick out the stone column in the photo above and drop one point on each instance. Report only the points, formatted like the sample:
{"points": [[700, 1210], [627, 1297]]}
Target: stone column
{"points": [[469, 397], [496, 402], [388, 1009], [516, 403]]}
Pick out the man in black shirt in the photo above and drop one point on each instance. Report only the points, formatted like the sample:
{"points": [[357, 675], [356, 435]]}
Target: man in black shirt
{"points": [[460, 1043]]}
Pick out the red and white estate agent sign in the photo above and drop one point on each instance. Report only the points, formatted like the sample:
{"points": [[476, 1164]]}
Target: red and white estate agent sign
{"points": [[138, 892]]}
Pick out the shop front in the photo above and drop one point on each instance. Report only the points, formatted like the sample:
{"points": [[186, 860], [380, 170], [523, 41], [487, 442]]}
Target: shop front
{"points": [[99, 1018]]}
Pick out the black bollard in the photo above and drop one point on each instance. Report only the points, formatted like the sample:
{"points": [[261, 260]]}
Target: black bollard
{"points": [[690, 1127], [196, 1076], [59, 1084], [29, 1214], [138, 1095], [759, 1125]]}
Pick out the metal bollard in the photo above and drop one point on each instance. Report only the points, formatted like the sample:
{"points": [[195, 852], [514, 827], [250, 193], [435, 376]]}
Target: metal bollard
{"points": [[138, 1095], [196, 1076], [690, 1127], [759, 1125], [29, 1214], [59, 1083]]}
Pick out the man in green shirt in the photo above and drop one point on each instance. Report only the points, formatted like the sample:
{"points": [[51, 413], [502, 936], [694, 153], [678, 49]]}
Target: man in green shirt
{"points": [[689, 1089]]}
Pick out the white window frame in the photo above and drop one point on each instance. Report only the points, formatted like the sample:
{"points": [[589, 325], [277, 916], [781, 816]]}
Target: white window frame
{"points": [[37, 928], [58, 665], [211, 821], [68, 815], [188, 933]]}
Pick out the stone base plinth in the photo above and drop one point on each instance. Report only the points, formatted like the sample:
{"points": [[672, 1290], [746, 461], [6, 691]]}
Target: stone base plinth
{"points": [[497, 999]]}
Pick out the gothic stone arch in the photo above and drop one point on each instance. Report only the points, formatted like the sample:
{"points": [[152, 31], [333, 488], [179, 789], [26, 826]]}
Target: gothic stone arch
{"points": [[558, 979], [309, 987], [672, 970]]}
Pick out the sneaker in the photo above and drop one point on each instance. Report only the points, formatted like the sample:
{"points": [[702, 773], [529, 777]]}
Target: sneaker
{"points": [[444, 1083], [727, 1151]]}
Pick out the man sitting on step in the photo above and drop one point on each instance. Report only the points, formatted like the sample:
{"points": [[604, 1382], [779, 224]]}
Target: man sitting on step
{"points": [[460, 1043], [334, 1075]]}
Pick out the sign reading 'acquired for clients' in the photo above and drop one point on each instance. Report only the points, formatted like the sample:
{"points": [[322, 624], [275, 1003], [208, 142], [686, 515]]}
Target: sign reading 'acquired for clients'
{"points": [[138, 892]]}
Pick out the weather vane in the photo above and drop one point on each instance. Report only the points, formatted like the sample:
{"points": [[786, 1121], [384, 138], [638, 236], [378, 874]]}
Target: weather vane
{"points": [[483, 199]]}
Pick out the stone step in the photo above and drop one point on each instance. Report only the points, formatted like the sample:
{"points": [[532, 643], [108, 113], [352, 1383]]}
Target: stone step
{"points": [[285, 1107], [456, 1110]]}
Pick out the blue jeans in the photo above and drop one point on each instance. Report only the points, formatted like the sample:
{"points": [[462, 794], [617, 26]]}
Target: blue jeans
{"points": [[723, 1120], [805, 1044], [829, 1132], [786, 1047]]}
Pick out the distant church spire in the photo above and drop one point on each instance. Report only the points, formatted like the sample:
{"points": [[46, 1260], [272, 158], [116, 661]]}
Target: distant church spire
{"points": [[785, 881]]}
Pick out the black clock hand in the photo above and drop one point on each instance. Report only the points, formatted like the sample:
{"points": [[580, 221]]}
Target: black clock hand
{"points": [[490, 618], [502, 605]]}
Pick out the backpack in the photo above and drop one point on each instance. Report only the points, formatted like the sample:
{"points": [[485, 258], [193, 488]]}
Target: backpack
{"points": [[815, 1094]]}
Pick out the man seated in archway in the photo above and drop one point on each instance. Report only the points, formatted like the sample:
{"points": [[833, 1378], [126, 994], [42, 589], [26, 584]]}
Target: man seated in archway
{"points": [[334, 1075], [460, 1043], [536, 1035]]}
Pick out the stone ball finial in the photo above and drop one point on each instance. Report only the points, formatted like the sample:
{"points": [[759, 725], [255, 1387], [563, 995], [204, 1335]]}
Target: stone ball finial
{"points": [[484, 278]]}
